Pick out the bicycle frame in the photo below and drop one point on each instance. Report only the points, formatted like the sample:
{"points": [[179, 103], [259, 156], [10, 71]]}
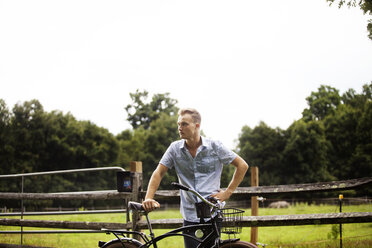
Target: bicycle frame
{"points": [[152, 242], [213, 236]]}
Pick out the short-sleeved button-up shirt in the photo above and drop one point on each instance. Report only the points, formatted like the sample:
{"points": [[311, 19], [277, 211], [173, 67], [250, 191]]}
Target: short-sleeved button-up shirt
{"points": [[202, 173]]}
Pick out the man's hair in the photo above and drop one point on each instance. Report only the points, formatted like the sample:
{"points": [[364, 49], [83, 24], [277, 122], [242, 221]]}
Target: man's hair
{"points": [[195, 115]]}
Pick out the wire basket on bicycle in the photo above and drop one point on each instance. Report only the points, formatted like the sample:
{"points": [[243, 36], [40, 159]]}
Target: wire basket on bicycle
{"points": [[231, 222]]}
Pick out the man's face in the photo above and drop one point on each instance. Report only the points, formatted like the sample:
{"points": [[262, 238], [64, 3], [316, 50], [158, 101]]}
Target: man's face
{"points": [[186, 127]]}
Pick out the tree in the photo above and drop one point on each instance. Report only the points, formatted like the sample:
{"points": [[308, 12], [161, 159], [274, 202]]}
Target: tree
{"points": [[362, 157], [365, 5], [41, 141], [263, 147], [163, 131], [321, 103], [149, 145], [349, 131], [340, 130], [155, 127], [5, 145], [142, 113], [73, 144], [4, 114], [27, 135], [305, 154], [132, 145], [355, 100]]}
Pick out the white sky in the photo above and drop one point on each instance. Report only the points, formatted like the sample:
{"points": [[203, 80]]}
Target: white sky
{"points": [[237, 62]]}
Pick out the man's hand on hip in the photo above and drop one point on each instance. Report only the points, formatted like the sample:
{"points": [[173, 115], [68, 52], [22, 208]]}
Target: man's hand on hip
{"points": [[222, 195]]}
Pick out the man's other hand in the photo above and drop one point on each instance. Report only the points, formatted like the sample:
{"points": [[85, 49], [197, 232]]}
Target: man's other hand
{"points": [[222, 195]]}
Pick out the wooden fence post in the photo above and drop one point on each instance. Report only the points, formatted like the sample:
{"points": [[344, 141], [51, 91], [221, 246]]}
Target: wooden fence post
{"points": [[136, 169], [254, 203]]}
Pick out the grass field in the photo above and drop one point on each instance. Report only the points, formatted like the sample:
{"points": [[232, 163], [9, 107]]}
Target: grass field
{"points": [[354, 235]]}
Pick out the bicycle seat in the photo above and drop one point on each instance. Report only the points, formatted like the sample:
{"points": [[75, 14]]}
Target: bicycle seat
{"points": [[135, 206]]}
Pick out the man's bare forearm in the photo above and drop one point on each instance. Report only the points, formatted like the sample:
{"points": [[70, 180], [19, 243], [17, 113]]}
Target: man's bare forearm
{"points": [[149, 204], [241, 169], [153, 185]]}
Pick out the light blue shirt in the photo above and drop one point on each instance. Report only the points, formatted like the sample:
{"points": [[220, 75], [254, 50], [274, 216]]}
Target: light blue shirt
{"points": [[202, 173]]}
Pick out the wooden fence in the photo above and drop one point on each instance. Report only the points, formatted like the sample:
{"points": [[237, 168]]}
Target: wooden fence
{"points": [[247, 221], [241, 192]]}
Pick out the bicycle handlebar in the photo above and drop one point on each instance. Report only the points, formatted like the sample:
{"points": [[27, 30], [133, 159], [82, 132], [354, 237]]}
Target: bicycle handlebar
{"points": [[183, 187], [180, 186]]}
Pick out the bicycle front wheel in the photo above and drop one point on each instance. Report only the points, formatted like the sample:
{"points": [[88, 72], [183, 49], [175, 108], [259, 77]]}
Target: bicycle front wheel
{"points": [[118, 244], [239, 244]]}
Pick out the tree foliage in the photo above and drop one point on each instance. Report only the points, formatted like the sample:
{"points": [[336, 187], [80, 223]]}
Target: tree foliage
{"points": [[333, 140], [349, 131], [321, 103], [155, 124], [305, 153], [364, 5], [34, 140], [262, 147], [141, 113], [148, 146]]}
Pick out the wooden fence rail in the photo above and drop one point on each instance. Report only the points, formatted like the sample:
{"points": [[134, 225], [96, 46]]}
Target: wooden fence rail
{"points": [[244, 192], [163, 194], [247, 221], [87, 195]]}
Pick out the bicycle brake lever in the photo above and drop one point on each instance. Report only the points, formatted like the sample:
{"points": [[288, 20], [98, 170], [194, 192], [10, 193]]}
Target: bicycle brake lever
{"points": [[212, 199]]}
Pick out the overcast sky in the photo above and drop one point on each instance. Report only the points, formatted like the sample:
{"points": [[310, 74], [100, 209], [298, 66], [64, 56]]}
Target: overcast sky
{"points": [[237, 62]]}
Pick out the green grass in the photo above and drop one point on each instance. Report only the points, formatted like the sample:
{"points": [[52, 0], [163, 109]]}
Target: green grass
{"points": [[354, 235]]}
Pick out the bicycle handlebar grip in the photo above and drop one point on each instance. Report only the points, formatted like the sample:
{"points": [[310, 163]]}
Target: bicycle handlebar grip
{"points": [[135, 206], [180, 186]]}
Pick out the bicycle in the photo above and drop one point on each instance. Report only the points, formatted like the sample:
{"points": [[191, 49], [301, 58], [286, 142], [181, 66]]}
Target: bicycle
{"points": [[222, 220]]}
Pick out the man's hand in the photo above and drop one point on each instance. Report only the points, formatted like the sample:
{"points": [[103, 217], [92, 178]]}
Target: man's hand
{"points": [[222, 195], [150, 205]]}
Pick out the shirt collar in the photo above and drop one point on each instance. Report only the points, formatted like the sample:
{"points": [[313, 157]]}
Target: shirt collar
{"points": [[203, 145]]}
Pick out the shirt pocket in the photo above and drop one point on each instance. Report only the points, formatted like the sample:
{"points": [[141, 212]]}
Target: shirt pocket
{"points": [[207, 164]]}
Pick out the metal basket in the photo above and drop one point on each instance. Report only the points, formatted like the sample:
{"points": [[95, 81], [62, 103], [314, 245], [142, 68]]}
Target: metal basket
{"points": [[231, 222]]}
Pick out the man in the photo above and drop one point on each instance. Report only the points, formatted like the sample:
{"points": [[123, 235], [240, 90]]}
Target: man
{"points": [[198, 162]]}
